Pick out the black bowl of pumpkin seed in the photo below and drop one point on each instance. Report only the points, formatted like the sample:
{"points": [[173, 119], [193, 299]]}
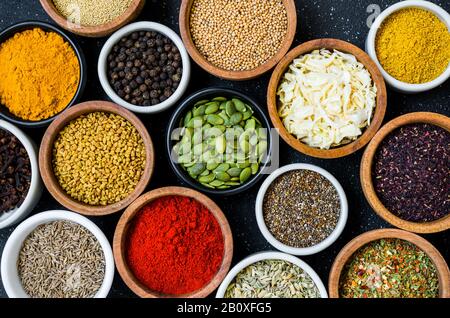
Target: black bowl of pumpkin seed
{"points": [[219, 141]]}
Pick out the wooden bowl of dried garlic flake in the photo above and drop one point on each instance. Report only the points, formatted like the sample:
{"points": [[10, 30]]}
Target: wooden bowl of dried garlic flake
{"points": [[92, 18], [338, 134]]}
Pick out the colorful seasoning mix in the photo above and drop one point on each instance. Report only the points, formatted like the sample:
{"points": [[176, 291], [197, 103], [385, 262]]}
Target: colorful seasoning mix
{"points": [[389, 268], [145, 68], [61, 259], [413, 45], [39, 74], [91, 13], [99, 158], [272, 279], [301, 208], [411, 172], [175, 245], [238, 35], [15, 172]]}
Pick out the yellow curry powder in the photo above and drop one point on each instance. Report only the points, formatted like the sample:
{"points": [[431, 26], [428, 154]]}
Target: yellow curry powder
{"points": [[39, 74], [413, 46]]}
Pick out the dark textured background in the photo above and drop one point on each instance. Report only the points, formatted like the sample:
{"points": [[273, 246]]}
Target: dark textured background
{"points": [[343, 19]]}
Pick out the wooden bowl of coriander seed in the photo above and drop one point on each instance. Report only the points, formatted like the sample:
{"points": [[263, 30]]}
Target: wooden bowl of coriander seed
{"points": [[96, 158], [92, 18], [243, 40]]}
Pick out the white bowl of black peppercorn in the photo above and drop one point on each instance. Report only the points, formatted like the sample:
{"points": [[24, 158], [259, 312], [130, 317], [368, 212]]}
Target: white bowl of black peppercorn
{"points": [[22, 193], [144, 67]]}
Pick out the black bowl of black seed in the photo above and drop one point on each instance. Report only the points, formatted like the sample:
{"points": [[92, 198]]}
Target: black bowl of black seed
{"points": [[144, 67]]}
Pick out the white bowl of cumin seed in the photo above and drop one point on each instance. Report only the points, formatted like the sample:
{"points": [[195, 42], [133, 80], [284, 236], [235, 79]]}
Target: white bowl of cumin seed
{"points": [[316, 218], [11, 279]]}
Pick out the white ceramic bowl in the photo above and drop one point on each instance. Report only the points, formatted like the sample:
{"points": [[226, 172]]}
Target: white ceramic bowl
{"points": [[370, 45], [34, 193], [295, 250], [144, 26], [270, 256], [10, 277]]}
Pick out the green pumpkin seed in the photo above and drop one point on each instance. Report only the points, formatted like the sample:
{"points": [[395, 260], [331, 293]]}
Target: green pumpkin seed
{"points": [[248, 114], [262, 147], [262, 133], [224, 116], [243, 165], [223, 176], [219, 99], [197, 137], [245, 174], [200, 102], [199, 111], [214, 119], [240, 106], [197, 169], [223, 167], [254, 167], [208, 178], [213, 132], [250, 124], [207, 185], [234, 172], [204, 173], [195, 122], [221, 144], [211, 108], [223, 105], [232, 183], [244, 145], [229, 108], [187, 118], [212, 165], [187, 165], [185, 159], [254, 139], [235, 179], [236, 118], [222, 128], [216, 183], [224, 187]]}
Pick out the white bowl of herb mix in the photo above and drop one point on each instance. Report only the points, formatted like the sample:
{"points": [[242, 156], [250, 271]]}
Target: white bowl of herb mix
{"points": [[20, 181], [410, 43], [301, 209], [57, 254], [144, 67], [272, 275]]}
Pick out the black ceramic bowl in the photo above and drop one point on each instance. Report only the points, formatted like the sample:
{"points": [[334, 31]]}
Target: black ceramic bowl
{"points": [[174, 123], [22, 26]]}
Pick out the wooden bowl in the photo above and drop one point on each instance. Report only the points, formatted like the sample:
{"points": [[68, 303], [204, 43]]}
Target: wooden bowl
{"points": [[46, 155], [366, 173], [347, 252], [94, 31], [378, 116], [120, 240], [184, 22]]}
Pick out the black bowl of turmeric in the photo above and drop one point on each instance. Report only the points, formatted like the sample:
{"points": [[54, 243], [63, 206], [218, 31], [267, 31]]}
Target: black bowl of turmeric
{"points": [[42, 72]]}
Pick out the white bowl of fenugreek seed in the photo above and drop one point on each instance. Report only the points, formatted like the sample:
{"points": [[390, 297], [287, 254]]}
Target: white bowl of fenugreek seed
{"points": [[57, 254], [272, 275], [301, 209], [410, 43]]}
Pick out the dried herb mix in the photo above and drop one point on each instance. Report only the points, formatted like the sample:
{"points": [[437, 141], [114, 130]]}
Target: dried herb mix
{"points": [[61, 259], [389, 268], [301, 208], [15, 172], [411, 172]]}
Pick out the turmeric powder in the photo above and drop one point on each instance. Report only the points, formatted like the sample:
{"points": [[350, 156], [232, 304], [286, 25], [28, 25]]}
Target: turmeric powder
{"points": [[413, 46], [39, 74]]}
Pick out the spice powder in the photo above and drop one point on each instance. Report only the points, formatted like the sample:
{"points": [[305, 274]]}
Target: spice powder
{"points": [[301, 208]]}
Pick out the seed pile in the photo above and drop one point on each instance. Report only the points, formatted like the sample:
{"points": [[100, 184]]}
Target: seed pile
{"points": [[61, 259], [145, 68], [99, 158], [411, 172], [301, 208], [389, 268], [15, 172], [272, 279], [92, 13], [238, 35], [222, 143]]}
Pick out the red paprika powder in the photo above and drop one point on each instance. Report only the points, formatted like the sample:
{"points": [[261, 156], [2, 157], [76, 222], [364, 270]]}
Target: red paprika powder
{"points": [[175, 245]]}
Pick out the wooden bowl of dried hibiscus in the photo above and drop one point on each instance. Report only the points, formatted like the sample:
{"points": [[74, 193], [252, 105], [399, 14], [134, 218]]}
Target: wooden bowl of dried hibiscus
{"points": [[405, 172], [389, 263], [173, 242]]}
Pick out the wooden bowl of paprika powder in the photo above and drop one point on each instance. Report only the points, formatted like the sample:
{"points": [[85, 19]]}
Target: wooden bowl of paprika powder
{"points": [[173, 242], [346, 255], [411, 205]]}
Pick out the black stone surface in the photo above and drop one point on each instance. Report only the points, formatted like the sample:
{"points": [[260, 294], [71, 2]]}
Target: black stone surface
{"points": [[342, 19]]}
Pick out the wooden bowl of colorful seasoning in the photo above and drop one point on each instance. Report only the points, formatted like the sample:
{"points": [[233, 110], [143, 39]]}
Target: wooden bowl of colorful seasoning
{"points": [[327, 98], [243, 39], [57, 80], [96, 158], [405, 172], [92, 18], [410, 43], [173, 242], [389, 263]]}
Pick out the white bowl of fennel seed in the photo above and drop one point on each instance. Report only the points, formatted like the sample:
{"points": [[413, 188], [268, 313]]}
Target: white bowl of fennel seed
{"points": [[57, 254]]}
